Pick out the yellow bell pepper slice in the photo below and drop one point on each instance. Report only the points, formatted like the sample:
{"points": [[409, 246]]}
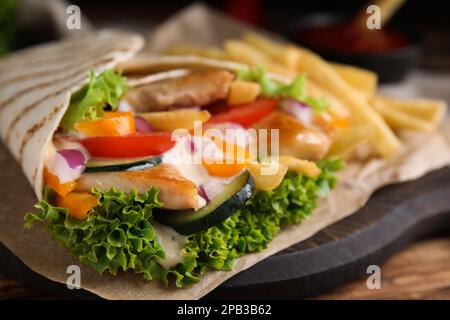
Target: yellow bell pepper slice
{"points": [[267, 176], [173, 120]]}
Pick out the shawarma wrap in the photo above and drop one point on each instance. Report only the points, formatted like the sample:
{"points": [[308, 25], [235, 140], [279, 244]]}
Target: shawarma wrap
{"points": [[94, 134], [122, 192]]}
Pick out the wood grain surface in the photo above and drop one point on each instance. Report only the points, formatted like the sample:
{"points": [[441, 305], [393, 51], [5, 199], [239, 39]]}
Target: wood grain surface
{"points": [[421, 271]]}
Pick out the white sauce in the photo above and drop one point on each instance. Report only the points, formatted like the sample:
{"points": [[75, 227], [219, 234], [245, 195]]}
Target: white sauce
{"points": [[172, 243], [189, 164]]}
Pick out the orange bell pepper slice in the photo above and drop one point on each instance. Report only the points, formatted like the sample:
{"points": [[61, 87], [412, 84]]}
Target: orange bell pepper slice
{"points": [[236, 159], [111, 124], [78, 203], [53, 182], [223, 170]]}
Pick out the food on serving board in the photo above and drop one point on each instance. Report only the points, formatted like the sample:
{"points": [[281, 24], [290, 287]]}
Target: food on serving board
{"points": [[123, 190]]}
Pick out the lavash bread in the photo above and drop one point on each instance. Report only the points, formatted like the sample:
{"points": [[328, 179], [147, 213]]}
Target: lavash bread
{"points": [[36, 85], [144, 64]]}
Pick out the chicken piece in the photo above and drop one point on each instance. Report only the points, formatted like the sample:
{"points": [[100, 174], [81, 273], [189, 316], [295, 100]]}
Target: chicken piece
{"points": [[199, 88], [296, 139], [175, 191]]}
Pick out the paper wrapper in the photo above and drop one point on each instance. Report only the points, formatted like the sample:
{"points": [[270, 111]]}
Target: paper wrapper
{"points": [[420, 154]]}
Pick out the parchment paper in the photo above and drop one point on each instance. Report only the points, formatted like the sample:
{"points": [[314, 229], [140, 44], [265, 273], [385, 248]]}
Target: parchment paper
{"points": [[420, 154]]}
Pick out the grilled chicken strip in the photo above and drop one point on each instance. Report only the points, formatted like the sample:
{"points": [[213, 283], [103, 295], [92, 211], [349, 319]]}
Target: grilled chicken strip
{"points": [[175, 191], [296, 139], [199, 88]]}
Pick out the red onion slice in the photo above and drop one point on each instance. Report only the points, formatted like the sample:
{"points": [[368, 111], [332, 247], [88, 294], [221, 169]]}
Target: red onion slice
{"points": [[142, 125], [211, 188], [202, 193], [74, 158], [67, 164], [299, 110]]}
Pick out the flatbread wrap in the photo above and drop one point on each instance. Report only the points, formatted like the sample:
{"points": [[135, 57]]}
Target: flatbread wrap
{"points": [[157, 167], [114, 184]]}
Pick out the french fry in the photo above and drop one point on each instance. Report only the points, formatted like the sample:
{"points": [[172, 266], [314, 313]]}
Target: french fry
{"points": [[239, 50], [418, 115], [243, 52], [360, 79], [429, 110], [287, 55], [403, 121], [383, 140], [283, 54], [348, 139]]}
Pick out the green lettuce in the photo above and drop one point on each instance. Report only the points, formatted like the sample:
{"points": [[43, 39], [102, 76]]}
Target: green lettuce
{"points": [[272, 88], [119, 235], [88, 103]]}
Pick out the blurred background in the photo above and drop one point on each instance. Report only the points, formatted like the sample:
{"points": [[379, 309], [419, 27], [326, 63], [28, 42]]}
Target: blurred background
{"points": [[422, 45], [427, 20], [411, 54]]}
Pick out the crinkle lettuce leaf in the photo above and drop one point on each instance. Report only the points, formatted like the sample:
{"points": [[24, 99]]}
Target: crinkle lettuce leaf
{"points": [[272, 88], [118, 233], [88, 103]]}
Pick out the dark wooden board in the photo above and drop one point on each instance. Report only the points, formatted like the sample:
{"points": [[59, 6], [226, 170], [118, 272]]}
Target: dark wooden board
{"points": [[394, 216]]}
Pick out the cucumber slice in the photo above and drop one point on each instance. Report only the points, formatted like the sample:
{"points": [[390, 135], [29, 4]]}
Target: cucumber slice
{"points": [[111, 165], [231, 199]]}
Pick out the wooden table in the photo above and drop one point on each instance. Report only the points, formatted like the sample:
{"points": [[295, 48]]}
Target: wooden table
{"points": [[421, 271]]}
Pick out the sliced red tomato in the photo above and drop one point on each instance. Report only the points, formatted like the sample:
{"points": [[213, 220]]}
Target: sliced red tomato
{"points": [[246, 114], [134, 145]]}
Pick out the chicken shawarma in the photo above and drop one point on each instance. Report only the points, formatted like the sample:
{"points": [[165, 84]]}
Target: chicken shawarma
{"points": [[134, 181]]}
